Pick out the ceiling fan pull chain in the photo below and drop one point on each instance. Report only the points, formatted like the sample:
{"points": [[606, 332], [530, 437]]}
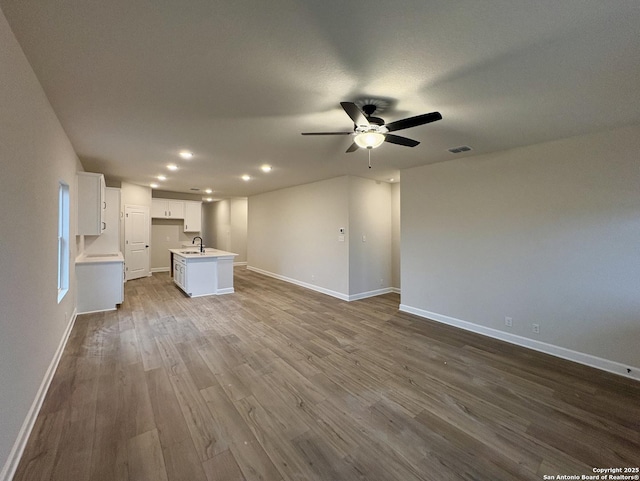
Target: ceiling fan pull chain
{"points": [[369, 157]]}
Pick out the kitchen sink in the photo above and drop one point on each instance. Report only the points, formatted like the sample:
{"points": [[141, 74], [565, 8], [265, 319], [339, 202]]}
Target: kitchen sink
{"points": [[190, 252]]}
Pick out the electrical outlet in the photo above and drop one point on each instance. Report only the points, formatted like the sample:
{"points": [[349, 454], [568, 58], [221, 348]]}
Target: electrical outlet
{"points": [[535, 328], [508, 321]]}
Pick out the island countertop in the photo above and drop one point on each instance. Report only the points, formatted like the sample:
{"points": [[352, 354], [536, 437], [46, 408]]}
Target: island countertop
{"points": [[194, 253]]}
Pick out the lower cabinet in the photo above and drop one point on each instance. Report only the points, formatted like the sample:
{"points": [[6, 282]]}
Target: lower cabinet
{"points": [[179, 271], [196, 276], [100, 285]]}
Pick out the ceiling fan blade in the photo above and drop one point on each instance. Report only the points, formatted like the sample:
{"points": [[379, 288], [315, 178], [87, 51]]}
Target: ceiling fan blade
{"points": [[396, 139], [413, 121], [355, 113], [327, 133], [352, 148]]}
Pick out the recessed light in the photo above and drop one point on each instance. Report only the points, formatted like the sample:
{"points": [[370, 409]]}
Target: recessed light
{"points": [[172, 167], [153, 186], [162, 177], [208, 191], [209, 199], [185, 154], [391, 179], [266, 168], [246, 177]]}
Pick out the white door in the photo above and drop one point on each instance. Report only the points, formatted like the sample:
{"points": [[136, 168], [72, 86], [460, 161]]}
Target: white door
{"points": [[136, 241]]}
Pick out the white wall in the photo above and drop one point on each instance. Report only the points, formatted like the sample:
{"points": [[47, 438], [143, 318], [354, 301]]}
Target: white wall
{"points": [[34, 154], [293, 233], [369, 236], [546, 234]]}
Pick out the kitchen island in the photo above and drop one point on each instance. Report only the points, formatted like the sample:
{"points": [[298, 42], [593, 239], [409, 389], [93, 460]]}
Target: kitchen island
{"points": [[202, 273]]}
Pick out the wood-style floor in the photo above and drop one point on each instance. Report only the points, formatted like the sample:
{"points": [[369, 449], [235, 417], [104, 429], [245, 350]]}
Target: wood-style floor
{"points": [[276, 382]]}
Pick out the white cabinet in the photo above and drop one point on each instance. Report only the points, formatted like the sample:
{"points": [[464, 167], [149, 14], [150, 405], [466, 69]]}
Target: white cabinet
{"points": [[167, 209], [192, 216], [195, 278], [190, 211], [92, 203], [179, 272], [100, 282]]}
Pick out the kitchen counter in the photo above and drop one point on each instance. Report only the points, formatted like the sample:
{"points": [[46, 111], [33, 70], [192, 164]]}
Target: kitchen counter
{"points": [[100, 281], [194, 252], [202, 273], [99, 258]]}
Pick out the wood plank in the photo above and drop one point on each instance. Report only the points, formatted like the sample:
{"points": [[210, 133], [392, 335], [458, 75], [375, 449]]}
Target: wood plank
{"points": [[277, 382], [223, 467], [251, 457], [146, 461], [199, 421]]}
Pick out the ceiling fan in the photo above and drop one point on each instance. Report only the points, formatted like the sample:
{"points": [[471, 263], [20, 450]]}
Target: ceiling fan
{"points": [[370, 132]]}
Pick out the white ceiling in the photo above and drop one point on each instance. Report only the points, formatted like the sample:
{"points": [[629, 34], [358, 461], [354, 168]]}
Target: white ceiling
{"points": [[133, 82]]}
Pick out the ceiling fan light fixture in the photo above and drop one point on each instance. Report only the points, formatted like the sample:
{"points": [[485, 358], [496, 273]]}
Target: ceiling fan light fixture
{"points": [[369, 140]]}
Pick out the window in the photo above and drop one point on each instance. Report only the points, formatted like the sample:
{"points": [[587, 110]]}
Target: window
{"points": [[63, 240]]}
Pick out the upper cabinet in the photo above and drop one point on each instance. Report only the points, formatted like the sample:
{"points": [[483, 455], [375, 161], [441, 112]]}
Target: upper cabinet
{"points": [[167, 209], [192, 216], [92, 203], [190, 211]]}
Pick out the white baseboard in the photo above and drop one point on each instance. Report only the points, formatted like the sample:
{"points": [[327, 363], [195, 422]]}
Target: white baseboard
{"points": [[226, 290], [329, 292], [557, 351], [98, 310], [160, 269], [322, 290], [17, 450], [396, 290], [235, 264], [364, 295]]}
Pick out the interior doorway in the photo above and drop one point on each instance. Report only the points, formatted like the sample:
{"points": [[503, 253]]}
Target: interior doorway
{"points": [[136, 241]]}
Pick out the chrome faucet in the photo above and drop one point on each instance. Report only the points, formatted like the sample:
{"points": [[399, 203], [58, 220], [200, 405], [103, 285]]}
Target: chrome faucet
{"points": [[201, 246]]}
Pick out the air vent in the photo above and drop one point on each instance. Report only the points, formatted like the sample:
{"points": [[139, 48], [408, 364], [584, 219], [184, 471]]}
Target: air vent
{"points": [[462, 148], [195, 189]]}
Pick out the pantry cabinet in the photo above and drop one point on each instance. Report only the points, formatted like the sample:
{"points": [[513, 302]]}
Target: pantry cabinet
{"points": [[192, 216]]}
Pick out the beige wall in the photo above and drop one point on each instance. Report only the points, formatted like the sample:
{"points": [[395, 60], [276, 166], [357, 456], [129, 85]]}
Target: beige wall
{"points": [[369, 236], [238, 209], [546, 234], [167, 234], [395, 235], [293, 233], [225, 226], [35, 154]]}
